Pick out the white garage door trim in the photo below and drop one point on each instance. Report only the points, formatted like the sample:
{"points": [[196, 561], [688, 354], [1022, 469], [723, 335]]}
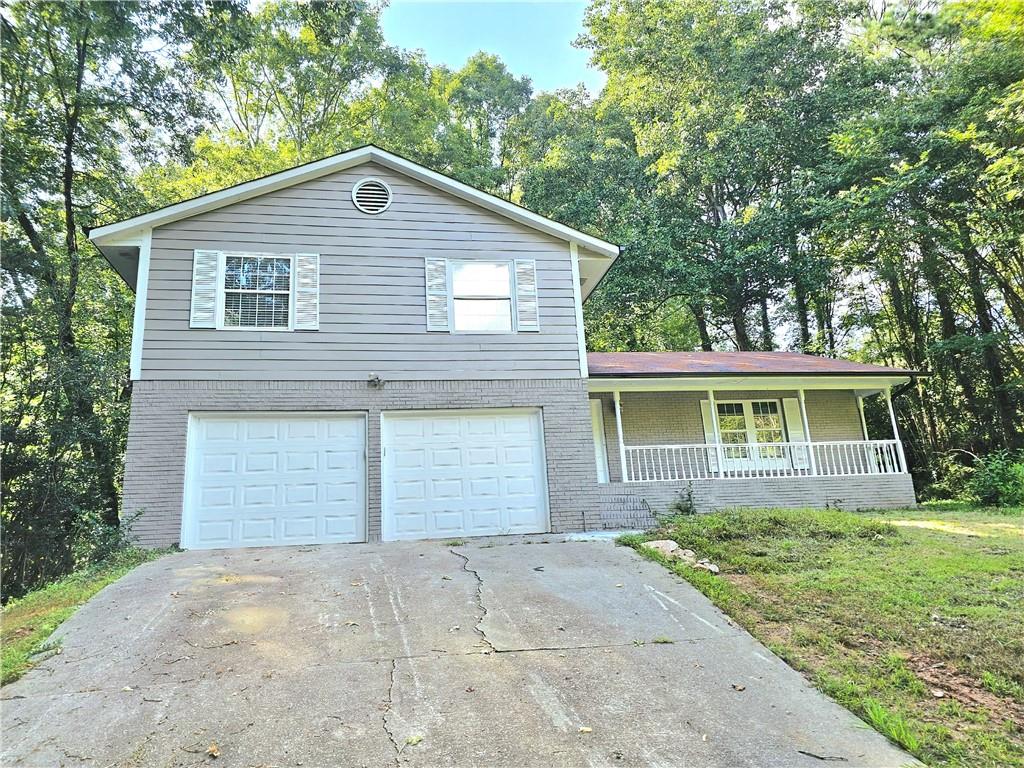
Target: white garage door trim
{"points": [[190, 521], [542, 522]]}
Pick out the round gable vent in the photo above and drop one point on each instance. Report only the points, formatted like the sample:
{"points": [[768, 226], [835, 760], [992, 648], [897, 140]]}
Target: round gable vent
{"points": [[371, 196]]}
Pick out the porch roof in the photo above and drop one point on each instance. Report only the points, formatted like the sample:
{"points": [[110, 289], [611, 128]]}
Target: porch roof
{"points": [[723, 364]]}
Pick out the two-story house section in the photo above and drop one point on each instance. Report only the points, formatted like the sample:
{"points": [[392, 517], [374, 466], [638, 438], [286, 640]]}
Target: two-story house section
{"points": [[351, 350], [361, 349]]}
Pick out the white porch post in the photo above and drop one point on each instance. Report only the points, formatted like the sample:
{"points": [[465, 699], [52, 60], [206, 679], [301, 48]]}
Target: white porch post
{"points": [[618, 433], [811, 458], [863, 421], [718, 432], [895, 430]]}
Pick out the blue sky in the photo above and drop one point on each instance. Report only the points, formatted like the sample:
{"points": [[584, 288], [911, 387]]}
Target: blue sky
{"points": [[532, 38]]}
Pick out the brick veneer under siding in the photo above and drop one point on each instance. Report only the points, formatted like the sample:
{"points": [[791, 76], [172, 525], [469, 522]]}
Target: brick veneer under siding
{"points": [[633, 505], [155, 458]]}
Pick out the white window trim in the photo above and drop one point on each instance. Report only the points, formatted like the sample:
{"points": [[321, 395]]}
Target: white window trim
{"points": [[509, 264], [749, 427], [222, 292]]}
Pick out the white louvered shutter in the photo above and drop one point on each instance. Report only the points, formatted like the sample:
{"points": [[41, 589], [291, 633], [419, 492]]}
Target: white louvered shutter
{"points": [[795, 428], [527, 312], [709, 434], [437, 294], [307, 291], [204, 289]]}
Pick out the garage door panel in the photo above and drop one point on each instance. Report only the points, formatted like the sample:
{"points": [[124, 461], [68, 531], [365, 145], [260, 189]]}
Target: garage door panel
{"points": [[299, 528], [256, 463], [474, 473], [446, 489], [297, 479], [443, 458], [484, 487]]}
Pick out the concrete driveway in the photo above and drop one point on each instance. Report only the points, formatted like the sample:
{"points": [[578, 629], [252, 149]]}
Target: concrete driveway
{"points": [[527, 652]]}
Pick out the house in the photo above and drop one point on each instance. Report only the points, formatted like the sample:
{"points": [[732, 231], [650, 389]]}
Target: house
{"points": [[360, 349]]}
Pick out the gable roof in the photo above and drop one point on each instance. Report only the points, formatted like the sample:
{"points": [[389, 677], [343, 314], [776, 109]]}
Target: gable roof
{"points": [[112, 239], [669, 364]]}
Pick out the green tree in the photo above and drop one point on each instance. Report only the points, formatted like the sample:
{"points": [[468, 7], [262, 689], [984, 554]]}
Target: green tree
{"points": [[85, 95]]}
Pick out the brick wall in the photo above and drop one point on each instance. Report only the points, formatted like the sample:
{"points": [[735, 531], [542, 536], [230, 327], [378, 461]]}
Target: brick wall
{"points": [[655, 418], [155, 459], [633, 505]]}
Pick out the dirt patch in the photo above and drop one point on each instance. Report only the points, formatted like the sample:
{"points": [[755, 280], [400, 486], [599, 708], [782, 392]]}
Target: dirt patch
{"points": [[941, 676], [984, 530], [254, 619], [237, 578]]}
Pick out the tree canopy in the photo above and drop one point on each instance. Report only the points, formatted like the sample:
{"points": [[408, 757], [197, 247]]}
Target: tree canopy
{"points": [[833, 176]]}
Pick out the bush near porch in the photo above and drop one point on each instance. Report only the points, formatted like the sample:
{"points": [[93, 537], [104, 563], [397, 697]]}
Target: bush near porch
{"points": [[910, 618]]}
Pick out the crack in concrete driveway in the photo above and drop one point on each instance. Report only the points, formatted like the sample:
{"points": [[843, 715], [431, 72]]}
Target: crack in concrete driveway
{"points": [[521, 651]]}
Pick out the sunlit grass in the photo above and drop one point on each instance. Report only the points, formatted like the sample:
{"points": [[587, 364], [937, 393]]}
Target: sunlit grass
{"points": [[25, 624], [915, 628]]}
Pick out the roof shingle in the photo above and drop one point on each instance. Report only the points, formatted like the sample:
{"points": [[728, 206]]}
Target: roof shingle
{"points": [[725, 363]]}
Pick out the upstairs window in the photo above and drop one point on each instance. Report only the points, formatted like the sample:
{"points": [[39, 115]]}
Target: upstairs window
{"points": [[257, 291], [482, 296]]}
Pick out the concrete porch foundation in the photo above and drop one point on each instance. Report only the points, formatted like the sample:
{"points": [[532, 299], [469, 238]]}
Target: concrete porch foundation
{"points": [[635, 505]]}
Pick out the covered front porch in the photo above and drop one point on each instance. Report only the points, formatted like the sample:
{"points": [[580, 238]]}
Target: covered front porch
{"points": [[747, 438]]}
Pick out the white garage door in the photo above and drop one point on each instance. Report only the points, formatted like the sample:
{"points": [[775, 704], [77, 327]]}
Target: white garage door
{"points": [[265, 479], [471, 473]]}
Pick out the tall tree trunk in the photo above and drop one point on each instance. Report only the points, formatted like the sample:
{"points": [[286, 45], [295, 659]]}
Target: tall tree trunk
{"points": [[948, 330], [702, 326], [91, 440], [739, 325], [1005, 411], [802, 321], [767, 337], [826, 339]]}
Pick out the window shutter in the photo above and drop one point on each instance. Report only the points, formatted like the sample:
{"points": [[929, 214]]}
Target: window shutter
{"points": [[527, 315], [307, 291], [709, 434], [204, 289], [795, 428], [437, 294]]}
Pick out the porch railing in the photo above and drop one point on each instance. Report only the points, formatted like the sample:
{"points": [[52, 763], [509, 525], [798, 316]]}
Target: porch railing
{"points": [[654, 463]]}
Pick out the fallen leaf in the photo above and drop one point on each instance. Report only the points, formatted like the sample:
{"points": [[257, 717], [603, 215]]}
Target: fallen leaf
{"points": [[357, 583], [586, 729], [937, 693], [446, 578], [618, 585], [738, 687], [470, 689], [127, 688], [213, 750], [412, 741], [351, 623]]}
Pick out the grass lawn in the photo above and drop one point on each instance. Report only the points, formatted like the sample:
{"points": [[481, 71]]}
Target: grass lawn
{"points": [[913, 619], [25, 624]]}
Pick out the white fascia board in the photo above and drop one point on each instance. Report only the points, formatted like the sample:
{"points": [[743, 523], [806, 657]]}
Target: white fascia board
{"points": [[113, 234], [139, 318], [577, 297], [864, 385]]}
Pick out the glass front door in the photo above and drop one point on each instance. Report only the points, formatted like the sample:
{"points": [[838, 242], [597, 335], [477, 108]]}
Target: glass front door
{"points": [[750, 431]]}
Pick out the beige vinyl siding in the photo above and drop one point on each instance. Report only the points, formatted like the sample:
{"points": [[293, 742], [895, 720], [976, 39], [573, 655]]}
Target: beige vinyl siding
{"points": [[372, 294]]}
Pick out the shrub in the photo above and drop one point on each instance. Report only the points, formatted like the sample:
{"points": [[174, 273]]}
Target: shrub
{"points": [[998, 479]]}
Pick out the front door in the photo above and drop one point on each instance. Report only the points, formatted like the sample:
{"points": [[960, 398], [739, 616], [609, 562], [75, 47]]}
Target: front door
{"points": [[752, 434]]}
